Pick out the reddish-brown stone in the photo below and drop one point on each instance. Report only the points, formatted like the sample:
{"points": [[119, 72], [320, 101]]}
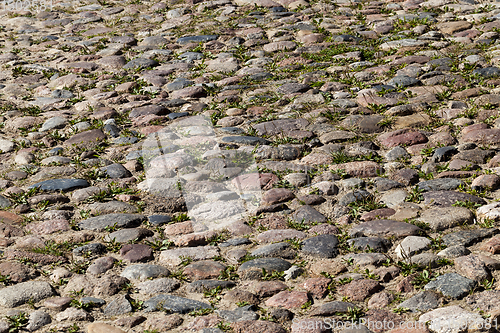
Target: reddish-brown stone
{"points": [[359, 290]]}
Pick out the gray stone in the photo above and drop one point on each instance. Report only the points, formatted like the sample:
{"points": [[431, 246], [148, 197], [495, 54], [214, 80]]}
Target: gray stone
{"points": [[454, 252], [240, 314], [144, 271], [452, 285], [116, 170], [21, 293], [127, 235], [178, 84], [118, 306], [94, 301], [396, 153], [370, 243], [440, 184], [487, 72], [6, 146], [197, 39], [446, 217], [4, 202], [384, 184], [385, 228], [448, 198], [252, 269], [293, 87], [54, 185], [159, 219], [331, 308], [158, 286], [174, 304], [308, 215], [443, 154], [140, 63], [95, 249], [467, 237], [426, 300], [56, 160], [53, 123], [322, 246], [99, 223], [403, 81], [109, 207], [245, 140], [37, 320], [425, 260], [411, 245], [354, 196], [277, 250], [365, 259]]}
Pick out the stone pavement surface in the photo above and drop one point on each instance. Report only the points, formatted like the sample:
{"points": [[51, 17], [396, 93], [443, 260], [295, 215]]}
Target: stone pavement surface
{"points": [[249, 165]]}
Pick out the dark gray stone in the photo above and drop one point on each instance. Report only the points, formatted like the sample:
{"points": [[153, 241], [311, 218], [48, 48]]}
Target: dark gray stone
{"points": [[396, 153], [386, 228], [93, 301], [426, 300], [331, 308], [354, 196], [191, 56], [454, 252], [141, 63], [99, 223], [443, 154], [452, 285], [440, 184], [62, 93], [159, 219], [467, 237], [179, 84], [173, 304], [448, 198], [403, 81], [374, 243], [322, 246], [96, 248], [53, 185], [278, 250], [487, 72], [244, 313], [235, 242], [246, 140], [478, 156], [197, 39], [385, 184], [112, 130], [252, 269], [158, 110], [127, 235], [4, 202], [293, 87], [116, 170], [308, 215]]}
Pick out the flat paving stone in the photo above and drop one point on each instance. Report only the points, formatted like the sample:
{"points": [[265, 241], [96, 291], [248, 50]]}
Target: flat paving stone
{"points": [[452, 285], [54, 185], [99, 223], [173, 304], [384, 228]]}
